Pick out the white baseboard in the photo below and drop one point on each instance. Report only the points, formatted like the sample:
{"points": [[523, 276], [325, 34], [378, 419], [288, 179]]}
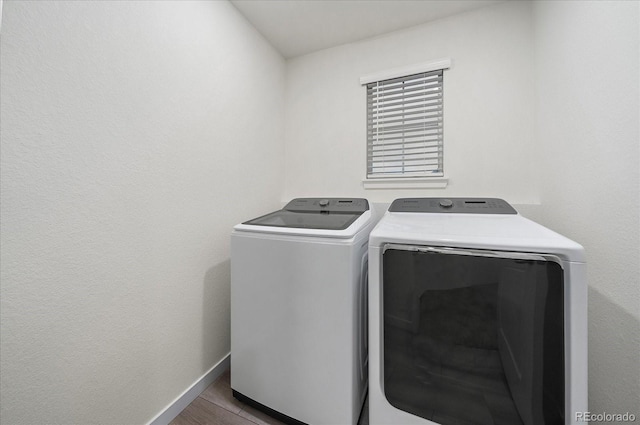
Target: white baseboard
{"points": [[178, 405]]}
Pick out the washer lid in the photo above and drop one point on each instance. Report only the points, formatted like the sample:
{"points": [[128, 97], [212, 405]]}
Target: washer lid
{"points": [[315, 213]]}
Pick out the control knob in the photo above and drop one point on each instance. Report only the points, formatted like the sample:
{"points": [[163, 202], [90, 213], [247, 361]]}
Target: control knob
{"points": [[446, 203]]}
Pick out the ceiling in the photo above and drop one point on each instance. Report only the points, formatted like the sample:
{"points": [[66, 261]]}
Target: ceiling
{"points": [[298, 27]]}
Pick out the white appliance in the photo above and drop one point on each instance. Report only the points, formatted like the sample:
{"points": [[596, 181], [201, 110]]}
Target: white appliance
{"points": [[477, 315], [298, 310]]}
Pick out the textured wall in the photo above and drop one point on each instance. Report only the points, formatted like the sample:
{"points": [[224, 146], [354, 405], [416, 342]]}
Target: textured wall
{"points": [[488, 107], [587, 118], [134, 135]]}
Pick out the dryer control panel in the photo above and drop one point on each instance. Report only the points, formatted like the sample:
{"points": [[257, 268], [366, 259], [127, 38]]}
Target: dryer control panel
{"points": [[453, 205]]}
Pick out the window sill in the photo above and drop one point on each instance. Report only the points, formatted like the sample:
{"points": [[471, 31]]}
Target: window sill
{"points": [[406, 183]]}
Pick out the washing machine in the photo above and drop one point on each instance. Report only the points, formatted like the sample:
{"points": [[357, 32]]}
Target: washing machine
{"points": [[298, 310], [477, 315]]}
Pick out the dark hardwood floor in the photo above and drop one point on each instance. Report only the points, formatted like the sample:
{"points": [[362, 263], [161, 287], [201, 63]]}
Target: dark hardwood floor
{"points": [[216, 406]]}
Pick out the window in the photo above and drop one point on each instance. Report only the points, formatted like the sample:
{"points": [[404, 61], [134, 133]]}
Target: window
{"points": [[405, 123]]}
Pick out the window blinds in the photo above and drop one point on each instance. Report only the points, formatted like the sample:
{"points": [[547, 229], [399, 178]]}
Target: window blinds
{"points": [[404, 126]]}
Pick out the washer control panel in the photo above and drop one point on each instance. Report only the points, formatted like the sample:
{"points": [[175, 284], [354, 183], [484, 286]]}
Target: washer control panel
{"points": [[334, 205], [452, 205]]}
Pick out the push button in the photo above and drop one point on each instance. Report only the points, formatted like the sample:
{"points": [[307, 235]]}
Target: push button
{"points": [[446, 203]]}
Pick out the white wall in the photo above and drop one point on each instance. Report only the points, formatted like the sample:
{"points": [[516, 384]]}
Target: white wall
{"points": [[128, 151], [587, 118], [488, 107]]}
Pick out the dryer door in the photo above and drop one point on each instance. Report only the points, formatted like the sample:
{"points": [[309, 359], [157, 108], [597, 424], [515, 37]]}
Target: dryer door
{"points": [[473, 336]]}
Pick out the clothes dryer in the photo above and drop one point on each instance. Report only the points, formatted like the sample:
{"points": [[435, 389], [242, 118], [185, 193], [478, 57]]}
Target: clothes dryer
{"points": [[298, 310], [477, 316]]}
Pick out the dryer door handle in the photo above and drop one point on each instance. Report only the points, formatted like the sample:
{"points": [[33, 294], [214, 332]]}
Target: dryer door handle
{"points": [[475, 252]]}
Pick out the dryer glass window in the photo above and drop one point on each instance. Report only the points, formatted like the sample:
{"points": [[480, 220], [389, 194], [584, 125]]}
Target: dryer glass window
{"points": [[472, 339]]}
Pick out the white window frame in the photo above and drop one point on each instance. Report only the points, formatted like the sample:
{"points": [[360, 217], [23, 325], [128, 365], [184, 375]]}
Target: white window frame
{"points": [[404, 181]]}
